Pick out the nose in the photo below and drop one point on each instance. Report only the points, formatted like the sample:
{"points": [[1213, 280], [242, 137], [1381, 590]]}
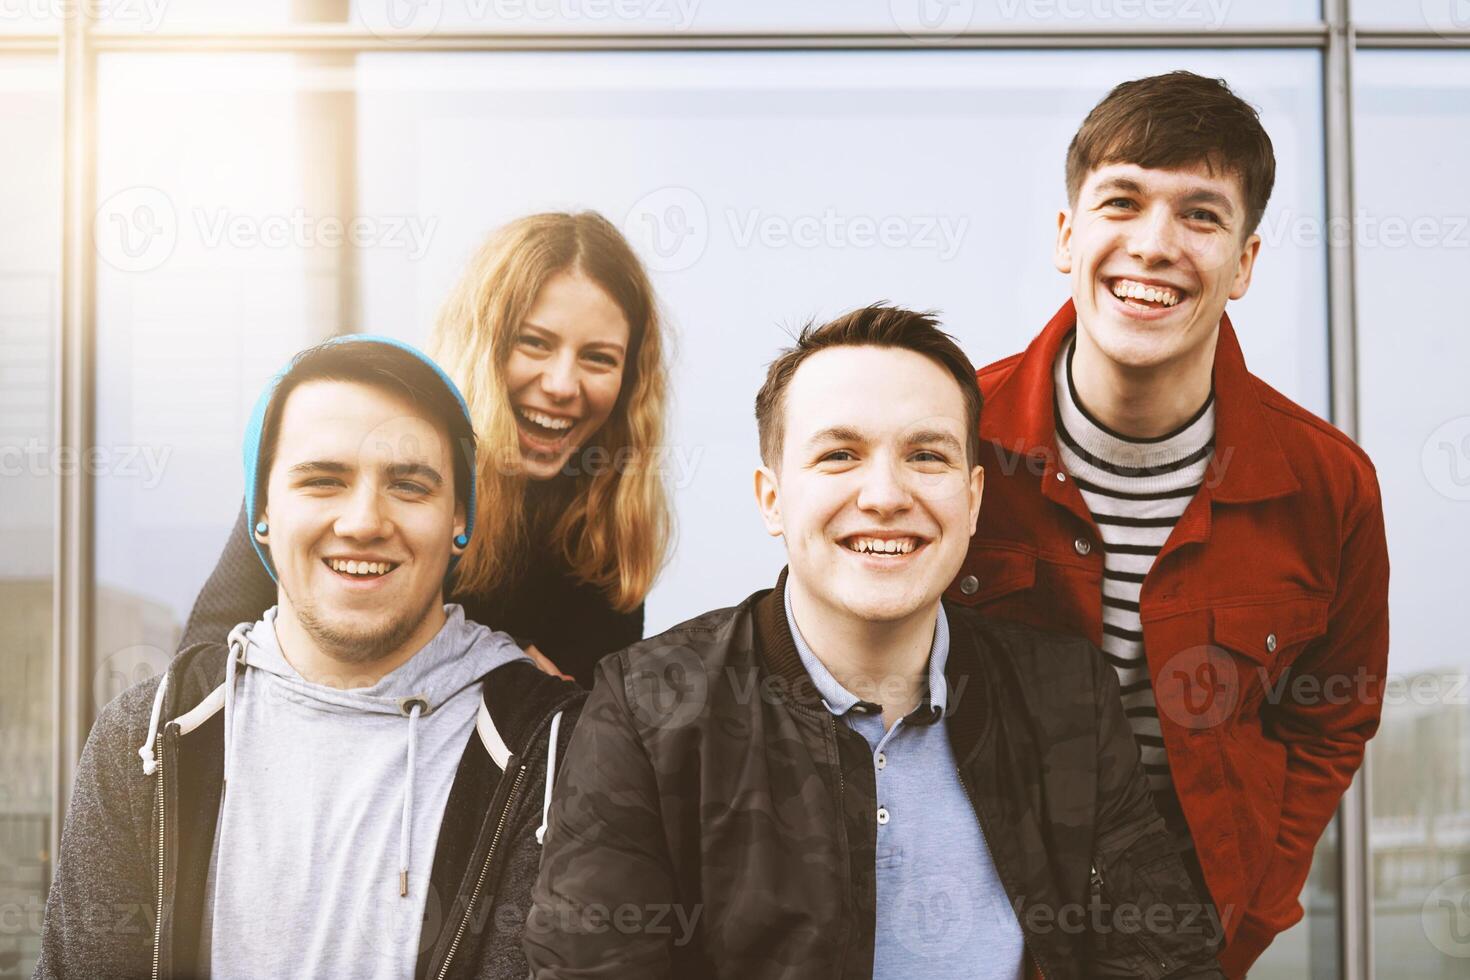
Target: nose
{"points": [[559, 380], [1153, 239], [363, 517], [885, 490]]}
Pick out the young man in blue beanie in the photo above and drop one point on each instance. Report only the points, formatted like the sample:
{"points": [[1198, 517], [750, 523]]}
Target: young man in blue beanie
{"points": [[348, 787]]}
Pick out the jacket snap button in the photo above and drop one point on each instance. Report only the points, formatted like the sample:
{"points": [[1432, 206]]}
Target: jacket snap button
{"points": [[1083, 546], [1061, 477], [1271, 643], [969, 585], [882, 815]]}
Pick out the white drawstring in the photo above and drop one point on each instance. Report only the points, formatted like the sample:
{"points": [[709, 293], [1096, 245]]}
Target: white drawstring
{"points": [[417, 707], [239, 636], [550, 777], [150, 764]]}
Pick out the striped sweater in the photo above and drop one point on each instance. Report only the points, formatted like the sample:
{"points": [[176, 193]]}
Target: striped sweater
{"points": [[1136, 490]]}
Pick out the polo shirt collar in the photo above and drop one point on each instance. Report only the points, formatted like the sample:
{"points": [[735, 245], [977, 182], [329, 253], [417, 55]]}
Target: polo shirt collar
{"points": [[839, 700]]}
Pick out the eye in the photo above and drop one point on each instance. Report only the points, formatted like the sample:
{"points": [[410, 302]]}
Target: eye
{"points": [[322, 482], [532, 341], [605, 359], [930, 456], [409, 486], [1120, 202], [1200, 214], [838, 456]]}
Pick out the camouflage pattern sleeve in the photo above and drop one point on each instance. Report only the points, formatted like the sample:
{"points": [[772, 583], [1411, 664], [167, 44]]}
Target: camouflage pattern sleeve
{"points": [[605, 873], [1147, 919]]}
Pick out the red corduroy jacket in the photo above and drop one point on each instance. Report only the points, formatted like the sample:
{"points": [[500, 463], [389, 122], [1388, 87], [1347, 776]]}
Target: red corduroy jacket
{"points": [[1265, 616]]}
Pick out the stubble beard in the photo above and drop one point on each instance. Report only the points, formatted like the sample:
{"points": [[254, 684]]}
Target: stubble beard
{"points": [[357, 647]]}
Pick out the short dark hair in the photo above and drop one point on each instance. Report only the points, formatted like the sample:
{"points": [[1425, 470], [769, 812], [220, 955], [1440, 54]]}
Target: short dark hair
{"points": [[382, 366], [1173, 121], [879, 325]]}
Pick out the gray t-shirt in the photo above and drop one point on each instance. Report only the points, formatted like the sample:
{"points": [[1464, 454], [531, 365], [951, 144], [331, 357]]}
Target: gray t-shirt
{"points": [[304, 880]]}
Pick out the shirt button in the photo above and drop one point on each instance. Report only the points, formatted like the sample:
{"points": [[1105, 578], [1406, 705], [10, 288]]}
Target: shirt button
{"points": [[969, 585], [882, 816], [1271, 643], [1082, 546], [882, 760]]}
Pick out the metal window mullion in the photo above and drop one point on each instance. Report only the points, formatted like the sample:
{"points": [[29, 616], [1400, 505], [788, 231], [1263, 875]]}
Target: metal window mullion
{"points": [[73, 583], [1355, 909]]}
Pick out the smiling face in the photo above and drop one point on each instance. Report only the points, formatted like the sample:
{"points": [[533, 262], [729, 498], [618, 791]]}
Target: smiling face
{"points": [[873, 493], [1153, 256], [362, 512], [565, 370]]}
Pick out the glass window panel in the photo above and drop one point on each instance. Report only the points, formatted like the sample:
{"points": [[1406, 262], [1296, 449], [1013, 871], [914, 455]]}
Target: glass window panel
{"points": [[1413, 250], [219, 199], [919, 17], [1431, 15], [30, 250], [756, 185]]}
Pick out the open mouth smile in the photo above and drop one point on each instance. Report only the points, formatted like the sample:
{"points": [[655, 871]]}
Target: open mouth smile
{"points": [[1144, 296], [353, 570], [884, 549], [543, 431]]}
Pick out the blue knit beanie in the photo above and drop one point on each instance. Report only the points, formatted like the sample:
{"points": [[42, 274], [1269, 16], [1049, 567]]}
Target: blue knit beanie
{"points": [[257, 423]]}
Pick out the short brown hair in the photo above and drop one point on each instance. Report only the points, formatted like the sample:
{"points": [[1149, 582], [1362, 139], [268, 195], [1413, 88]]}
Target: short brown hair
{"points": [[879, 325], [1173, 121]]}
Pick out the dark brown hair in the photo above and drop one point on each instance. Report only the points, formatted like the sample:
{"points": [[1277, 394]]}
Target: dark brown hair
{"points": [[879, 325], [1175, 121], [386, 368]]}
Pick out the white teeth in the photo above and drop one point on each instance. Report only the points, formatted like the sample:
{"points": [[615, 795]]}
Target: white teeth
{"points": [[361, 567], [548, 421], [883, 546], [1128, 289]]}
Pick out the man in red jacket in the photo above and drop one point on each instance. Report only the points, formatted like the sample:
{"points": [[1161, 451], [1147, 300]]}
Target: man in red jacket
{"points": [[1221, 545]]}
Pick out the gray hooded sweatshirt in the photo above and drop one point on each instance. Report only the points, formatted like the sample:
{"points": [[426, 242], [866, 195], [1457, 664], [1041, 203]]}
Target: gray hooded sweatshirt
{"points": [[332, 806]]}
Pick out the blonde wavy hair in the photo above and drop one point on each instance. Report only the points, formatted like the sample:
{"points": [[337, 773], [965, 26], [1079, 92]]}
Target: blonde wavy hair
{"points": [[614, 532]]}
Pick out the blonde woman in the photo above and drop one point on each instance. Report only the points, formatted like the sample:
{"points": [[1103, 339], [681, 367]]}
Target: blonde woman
{"points": [[553, 335]]}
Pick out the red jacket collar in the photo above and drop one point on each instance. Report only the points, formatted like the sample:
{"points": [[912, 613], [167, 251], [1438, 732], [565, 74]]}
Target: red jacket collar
{"points": [[1249, 463]]}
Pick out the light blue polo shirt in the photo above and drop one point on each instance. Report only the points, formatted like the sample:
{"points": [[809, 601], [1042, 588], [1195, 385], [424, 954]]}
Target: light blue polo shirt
{"points": [[942, 911]]}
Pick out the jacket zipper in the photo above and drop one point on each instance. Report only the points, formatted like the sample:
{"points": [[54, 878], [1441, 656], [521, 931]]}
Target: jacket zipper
{"points": [[985, 836], [158, 921], [484, 871], [1144, 944]]}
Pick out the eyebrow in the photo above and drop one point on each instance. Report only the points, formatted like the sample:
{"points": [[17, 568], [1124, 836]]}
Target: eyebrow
{"points": [[397, 471], [609, 345], [401, 470], [934, 437], [1201, 196], [922, 437]]}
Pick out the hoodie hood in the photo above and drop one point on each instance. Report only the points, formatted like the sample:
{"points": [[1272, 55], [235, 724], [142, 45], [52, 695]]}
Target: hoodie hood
{"points": [[253, 433]]}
